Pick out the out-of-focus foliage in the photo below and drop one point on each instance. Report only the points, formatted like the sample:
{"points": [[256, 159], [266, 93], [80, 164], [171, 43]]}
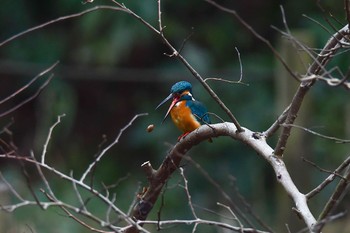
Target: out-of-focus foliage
{"points": [[112, 67]]}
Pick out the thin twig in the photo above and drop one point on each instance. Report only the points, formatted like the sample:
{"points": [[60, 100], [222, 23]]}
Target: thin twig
{"points": [[329, 179], [233, 214], [189, 198], [276, 125], [322, 169], [31, 97], [229, 81], [334, 200], [42, 176], [80, 199], [49, 137], [11, 188], [30, 186], [337, 140], [29, 83], [60, 19]]}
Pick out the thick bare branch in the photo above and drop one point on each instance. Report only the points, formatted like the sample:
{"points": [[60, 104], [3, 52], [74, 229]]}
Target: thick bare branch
{"points": [[158, 178]]}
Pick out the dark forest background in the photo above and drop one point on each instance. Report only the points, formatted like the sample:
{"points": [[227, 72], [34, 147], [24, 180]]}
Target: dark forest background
{"points": [[111, 67]]}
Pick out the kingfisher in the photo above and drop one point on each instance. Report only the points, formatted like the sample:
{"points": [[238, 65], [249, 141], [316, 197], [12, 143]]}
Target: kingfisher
{"points": [[187, 113]]}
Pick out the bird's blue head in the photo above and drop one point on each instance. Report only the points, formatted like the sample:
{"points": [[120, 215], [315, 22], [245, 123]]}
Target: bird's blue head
{"points": [[176, 92], [180, 87]]}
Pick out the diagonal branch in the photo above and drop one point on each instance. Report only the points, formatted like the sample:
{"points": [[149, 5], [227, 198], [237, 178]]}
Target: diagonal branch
{"points": [[29, 83], [25, 87]]}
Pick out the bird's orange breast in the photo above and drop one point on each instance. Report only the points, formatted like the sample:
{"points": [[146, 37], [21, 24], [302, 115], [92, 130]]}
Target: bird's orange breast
{"points": [[183, 117]]}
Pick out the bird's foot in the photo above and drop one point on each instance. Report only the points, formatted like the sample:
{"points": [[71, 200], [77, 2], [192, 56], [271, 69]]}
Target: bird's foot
{"points": [[182, 136]]}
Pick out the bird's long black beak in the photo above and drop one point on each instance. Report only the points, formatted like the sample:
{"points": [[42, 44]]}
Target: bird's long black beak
{"points": [[165, 100], [170, 107]]}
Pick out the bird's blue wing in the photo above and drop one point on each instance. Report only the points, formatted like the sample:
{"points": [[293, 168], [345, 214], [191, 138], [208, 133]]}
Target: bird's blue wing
{"points": [[199, 111]]}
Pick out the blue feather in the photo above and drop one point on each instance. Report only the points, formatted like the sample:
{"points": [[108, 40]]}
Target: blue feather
{"points": [[180, 87], [199, 111]]}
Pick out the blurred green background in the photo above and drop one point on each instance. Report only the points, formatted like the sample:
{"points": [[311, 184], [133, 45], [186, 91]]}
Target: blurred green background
{"points": [[112, 67]]}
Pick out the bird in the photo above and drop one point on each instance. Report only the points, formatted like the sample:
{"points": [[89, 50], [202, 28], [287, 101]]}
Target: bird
{"points": [[187, 113]]}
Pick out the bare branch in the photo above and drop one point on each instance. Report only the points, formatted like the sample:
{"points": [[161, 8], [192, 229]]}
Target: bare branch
{"points": [[188, 192]]}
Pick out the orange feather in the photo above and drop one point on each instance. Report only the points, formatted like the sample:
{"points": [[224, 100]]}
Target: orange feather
{"points": [[183, 117]]}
